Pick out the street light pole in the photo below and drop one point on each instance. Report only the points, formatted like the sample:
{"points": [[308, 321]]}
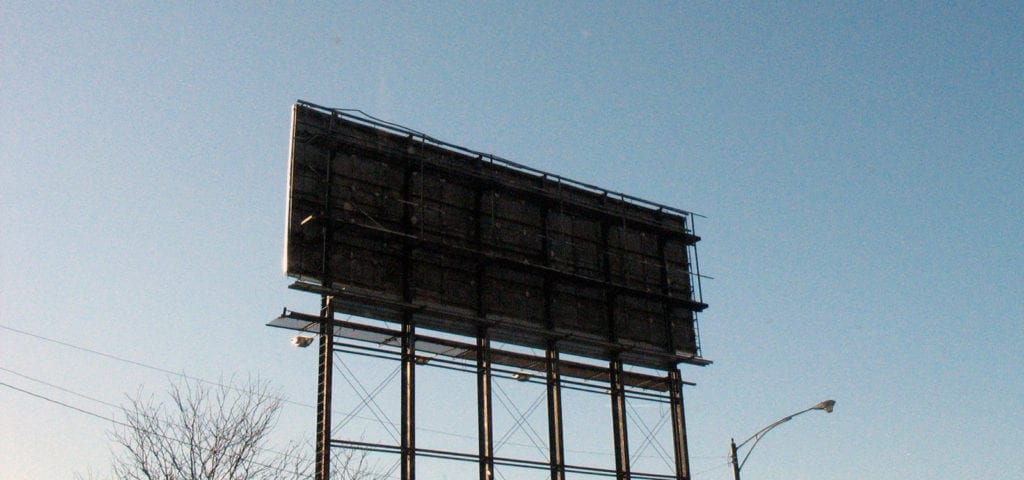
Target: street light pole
{"points": [[827, 406], [732, 459]]}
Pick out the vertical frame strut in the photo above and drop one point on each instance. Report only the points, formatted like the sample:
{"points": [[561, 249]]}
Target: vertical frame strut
{"points": [[485, 418], [619, 428], [678, 424], [556, 448], [325, 374], [408, 352], [324, 389], [408, 446]]}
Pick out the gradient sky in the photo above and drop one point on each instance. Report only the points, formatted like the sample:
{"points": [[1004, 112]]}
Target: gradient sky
{"points": [[860, 165]]}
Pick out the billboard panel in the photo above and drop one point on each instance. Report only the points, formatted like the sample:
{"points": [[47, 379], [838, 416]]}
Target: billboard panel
{"points": [[396, 224]]}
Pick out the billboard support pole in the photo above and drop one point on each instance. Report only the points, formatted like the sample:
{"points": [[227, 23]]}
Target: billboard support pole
{"points": [[675, 389], [484, 422], [408, 403], [555, 445], [324, 389], [325, 373], [408, 447], [619, 429]]}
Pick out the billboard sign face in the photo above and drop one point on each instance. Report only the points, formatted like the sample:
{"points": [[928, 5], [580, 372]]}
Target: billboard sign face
{"points": [[400, 226]]}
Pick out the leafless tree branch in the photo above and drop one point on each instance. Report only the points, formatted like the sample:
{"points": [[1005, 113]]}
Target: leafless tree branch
{"points": [[204, 432]]}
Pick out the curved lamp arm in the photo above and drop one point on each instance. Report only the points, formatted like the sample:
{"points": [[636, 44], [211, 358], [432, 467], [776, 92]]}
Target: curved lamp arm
{"points": [[827, 406]]}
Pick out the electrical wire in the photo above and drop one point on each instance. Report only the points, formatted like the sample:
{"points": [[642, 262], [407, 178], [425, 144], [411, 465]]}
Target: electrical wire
{"points": [[186, 377], [112, 405], [712, 469], [126, 425], [66, 405], [147, 366], [58, 387]]}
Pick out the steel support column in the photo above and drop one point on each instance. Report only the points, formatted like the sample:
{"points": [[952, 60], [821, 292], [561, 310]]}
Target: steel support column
{"points": [[325, 373], [408, 354], [619, 429], [408, 446], [678, 424], [324, 388], [556, 455], [485, 430]]}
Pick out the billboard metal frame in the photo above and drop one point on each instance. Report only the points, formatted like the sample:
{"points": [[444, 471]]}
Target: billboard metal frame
{"points": [[577, 270], [418, 348], [392, 222]]}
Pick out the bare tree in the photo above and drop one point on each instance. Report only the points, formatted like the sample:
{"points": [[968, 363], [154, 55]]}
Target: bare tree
{"points": [[221, 432]]}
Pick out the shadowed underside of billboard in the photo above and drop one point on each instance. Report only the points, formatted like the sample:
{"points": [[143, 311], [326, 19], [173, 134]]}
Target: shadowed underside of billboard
{"points": [[399, 226]]}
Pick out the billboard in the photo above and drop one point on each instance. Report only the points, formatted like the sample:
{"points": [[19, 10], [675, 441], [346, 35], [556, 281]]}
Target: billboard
{"points": [[398, 225]]}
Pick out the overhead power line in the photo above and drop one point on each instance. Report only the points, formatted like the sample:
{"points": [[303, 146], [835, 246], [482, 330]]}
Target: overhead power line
{"points": [[66, 405], [58, 387], [120, 423], [145, 365]]}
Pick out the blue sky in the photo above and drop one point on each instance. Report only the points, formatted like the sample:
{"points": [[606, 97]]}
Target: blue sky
{"points": [[860, 166]]}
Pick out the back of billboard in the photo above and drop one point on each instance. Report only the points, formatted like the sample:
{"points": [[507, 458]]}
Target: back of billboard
{"points": [[399, 226]]}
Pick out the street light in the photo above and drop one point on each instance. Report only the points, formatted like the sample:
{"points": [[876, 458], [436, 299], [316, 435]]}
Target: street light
{"points": [[827, 406]]}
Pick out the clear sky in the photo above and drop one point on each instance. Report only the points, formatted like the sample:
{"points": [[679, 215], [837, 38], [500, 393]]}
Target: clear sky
{"points": [[860, 165]]}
